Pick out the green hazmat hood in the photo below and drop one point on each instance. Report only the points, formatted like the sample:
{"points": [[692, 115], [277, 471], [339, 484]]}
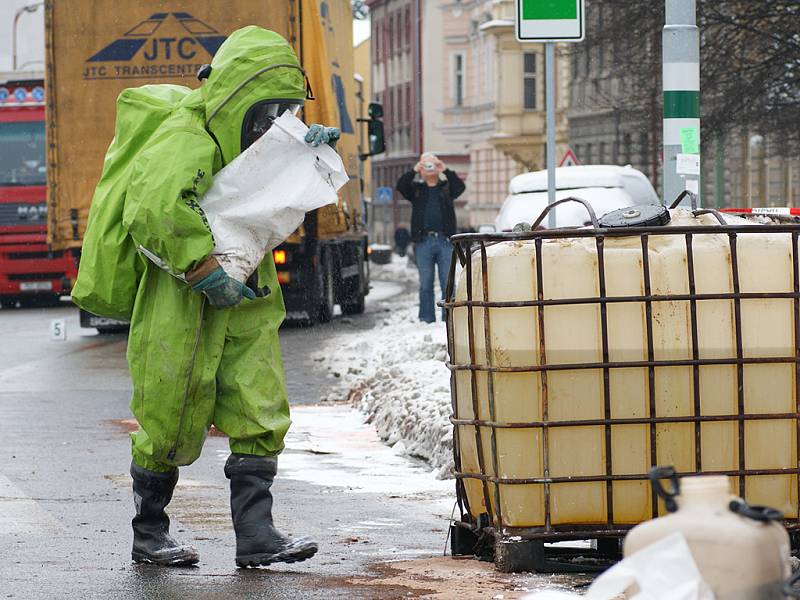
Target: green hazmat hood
{"points": [[251, 66]]}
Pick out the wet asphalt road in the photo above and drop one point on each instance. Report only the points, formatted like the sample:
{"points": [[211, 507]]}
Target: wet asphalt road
{"points": [[65, 501]]}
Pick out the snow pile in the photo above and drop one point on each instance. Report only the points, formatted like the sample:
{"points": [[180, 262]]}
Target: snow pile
{"points": [[318, 453], [395, 373], [400, 270]]}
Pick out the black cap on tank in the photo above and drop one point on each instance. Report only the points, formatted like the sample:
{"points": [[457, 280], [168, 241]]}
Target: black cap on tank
{"points": [[643, 215]]}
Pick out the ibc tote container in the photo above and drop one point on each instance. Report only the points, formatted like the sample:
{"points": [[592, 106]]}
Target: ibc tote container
{"points": [[581, 358]]}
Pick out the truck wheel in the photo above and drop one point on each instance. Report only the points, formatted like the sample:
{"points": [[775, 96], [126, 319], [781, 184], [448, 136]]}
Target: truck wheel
{"points": [[40, 301], [327, 300], [112, 329], [355, 307], [355, 303]]}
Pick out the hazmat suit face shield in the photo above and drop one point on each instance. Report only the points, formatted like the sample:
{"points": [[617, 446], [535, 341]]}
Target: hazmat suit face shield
{"points": [[259, 118], [253, 66]]}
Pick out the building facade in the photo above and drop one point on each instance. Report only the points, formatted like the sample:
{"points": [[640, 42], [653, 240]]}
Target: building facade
{"points": [[395, 83], [475, 93], [505, 104], [742, 170], [602, 128], [484, 98]]}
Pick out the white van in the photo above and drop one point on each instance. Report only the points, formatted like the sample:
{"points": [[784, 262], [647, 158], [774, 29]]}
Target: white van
{"points": [[604, 187]]}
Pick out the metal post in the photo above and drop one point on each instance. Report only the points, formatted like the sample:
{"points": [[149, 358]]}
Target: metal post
{"points": [[30, 8], [17, 15], [550, 102], [681, 80]]}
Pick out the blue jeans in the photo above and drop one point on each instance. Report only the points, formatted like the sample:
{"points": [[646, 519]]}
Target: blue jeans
{"points": [[432, 252]]}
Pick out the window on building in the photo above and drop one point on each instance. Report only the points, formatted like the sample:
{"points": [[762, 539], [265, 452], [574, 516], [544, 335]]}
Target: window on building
{"points": [[458, 79], [401, 101], [587, 62], [601, 158], [387, 36], [600, 47], [393, 34], [409, 102], [644, 149], [529, 80], [376, 45], [588, 154], [574, 60], [626, 148], [408, 27]]}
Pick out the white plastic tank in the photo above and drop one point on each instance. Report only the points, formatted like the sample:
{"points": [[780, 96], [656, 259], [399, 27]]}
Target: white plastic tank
{"points": [[740, 557], [577, 459]]}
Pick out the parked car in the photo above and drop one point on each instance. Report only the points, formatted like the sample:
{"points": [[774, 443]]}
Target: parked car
{"points": [[605, 187]]}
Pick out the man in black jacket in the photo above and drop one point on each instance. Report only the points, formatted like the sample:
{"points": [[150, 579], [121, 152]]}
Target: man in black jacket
{"points": [[431, 189]]}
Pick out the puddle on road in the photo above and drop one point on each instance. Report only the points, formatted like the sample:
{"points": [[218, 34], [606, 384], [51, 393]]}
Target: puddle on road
{"points": [[448, 578], [204, 508], [331, 446], [21, 515]]}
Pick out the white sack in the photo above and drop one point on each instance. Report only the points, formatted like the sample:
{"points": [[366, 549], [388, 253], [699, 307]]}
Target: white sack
{"points": [[664, 570], [261, 196]]}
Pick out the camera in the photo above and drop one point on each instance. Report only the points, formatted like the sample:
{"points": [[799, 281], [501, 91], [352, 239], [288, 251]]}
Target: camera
{"points": [[428, 166]]}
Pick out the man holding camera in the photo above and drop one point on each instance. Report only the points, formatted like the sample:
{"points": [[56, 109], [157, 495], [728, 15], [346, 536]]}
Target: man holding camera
{"points": [[431, 188]]}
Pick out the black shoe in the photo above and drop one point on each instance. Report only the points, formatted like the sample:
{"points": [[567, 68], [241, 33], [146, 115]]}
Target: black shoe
{"points": [[152, 542], [257, 540]]}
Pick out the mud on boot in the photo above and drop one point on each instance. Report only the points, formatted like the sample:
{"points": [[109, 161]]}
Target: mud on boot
{"points": [[258, 543], [152, 543]]}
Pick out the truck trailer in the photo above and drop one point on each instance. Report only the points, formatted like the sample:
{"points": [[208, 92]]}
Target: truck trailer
{"points": [[97, 48]]}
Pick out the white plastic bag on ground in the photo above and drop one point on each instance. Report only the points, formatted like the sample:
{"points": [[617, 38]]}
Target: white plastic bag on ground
{"points": [[261, 197], [662, 571]]}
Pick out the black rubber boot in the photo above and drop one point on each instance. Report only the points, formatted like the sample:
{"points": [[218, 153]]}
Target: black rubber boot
{"points": [[257, 540], [152, 542]]}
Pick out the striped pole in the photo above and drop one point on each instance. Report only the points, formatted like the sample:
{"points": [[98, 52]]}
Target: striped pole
{"points": [[681, 77]]}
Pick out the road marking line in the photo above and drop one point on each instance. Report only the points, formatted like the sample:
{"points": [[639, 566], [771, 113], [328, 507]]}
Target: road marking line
{"points": [[21, 514]]}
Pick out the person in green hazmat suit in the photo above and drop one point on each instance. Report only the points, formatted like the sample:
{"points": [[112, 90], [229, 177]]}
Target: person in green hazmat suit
{"points": [[206, 351]]}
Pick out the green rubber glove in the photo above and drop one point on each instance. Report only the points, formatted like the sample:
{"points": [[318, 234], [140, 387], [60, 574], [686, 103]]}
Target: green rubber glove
{"points": [[318, 134], [222, 290]]}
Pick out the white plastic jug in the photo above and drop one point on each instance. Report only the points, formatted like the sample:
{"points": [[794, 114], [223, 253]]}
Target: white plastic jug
{"points": [[742, 551]]}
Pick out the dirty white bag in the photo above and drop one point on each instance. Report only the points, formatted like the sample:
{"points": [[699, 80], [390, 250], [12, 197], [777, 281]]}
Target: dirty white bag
{"points": [[261, 196], [662, 571]]}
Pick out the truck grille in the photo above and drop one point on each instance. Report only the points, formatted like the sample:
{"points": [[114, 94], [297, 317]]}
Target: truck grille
{"points": [[20, 213], [34, 276], [35, 255]]}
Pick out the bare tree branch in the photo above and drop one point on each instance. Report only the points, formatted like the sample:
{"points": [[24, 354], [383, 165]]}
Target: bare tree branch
{"points": [[749, 53]]}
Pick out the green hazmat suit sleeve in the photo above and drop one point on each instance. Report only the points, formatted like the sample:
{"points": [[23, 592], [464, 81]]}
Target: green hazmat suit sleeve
{"points": [[161, 212]]}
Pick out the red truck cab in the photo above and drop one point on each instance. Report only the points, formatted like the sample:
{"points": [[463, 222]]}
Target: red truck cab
{"points": [[30, 271]]}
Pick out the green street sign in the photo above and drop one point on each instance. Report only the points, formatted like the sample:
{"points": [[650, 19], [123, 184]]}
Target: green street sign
{"points": [[550, 20]]}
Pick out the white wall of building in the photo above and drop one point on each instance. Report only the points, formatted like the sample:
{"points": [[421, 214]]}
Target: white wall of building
{"points": [[432, 71], [438, 89], [30, 36]]}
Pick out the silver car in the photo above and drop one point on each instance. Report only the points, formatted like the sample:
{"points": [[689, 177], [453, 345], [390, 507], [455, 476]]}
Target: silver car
{"points": [[604, 187]]}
